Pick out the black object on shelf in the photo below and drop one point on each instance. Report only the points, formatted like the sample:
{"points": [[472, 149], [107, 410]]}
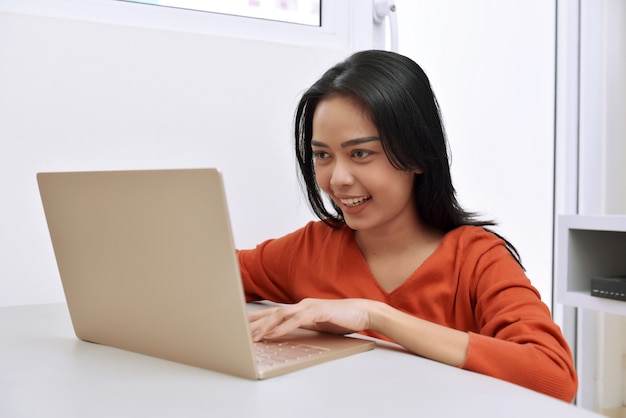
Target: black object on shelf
{"points": [[609, 287]]}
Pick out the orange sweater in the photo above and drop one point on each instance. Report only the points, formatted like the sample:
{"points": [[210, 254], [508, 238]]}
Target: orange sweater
{"points": [[470, 283]]}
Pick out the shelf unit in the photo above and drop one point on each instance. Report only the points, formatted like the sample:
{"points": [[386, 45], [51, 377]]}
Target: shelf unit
{"points": [[588, 246], [590, 178]]}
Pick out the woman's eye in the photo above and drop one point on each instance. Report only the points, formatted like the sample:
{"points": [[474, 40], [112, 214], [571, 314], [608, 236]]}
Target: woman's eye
{"points": [[359, 153], [320, 155]]}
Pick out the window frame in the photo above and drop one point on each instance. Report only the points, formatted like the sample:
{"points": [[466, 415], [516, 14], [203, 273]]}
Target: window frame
{"points": [[330, 34]]}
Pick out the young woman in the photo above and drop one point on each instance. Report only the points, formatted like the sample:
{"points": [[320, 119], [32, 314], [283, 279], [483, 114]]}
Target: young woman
{"points": [[394, 255]]}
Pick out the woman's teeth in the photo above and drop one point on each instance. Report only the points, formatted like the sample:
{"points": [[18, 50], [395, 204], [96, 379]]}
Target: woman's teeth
{"points": [[355, 202]]}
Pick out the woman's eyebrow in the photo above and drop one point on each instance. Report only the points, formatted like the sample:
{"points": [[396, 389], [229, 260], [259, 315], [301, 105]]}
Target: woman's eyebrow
{"points": [[349, 143], [315, 143]]}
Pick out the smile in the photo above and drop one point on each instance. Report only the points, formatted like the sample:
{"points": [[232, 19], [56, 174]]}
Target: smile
{"points": [[356, 201]]}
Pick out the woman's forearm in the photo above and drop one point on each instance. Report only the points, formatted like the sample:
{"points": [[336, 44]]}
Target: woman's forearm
{"points": [[421, 337]]}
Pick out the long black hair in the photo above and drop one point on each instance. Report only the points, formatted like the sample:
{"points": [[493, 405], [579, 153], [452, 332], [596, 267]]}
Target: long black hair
{"points": [[396, 94]]}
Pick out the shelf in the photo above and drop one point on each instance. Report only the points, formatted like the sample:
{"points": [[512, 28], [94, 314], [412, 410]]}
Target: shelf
{"points": [[585, 301], [589, 246]]}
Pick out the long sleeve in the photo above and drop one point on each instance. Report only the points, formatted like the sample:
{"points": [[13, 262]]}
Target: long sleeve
{"points": [[483, 290], [516, 339], [470, 283]]}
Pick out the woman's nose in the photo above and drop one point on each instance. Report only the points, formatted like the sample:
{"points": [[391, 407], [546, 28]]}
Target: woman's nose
{"points": [[341, 175]]}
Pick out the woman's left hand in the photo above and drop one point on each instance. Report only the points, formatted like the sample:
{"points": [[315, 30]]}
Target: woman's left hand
{"points": [[338, 316]]}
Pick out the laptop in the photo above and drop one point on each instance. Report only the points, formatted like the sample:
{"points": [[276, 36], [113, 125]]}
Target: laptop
{"points": [[148, 264]]}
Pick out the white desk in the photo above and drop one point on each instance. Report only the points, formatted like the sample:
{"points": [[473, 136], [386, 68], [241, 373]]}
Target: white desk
{"points": [[46, 372]]}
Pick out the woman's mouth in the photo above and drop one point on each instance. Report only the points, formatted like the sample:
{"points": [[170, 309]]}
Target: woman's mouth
{"points": [[355, 201]]}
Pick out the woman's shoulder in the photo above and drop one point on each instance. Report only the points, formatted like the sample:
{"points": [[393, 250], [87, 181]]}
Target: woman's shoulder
{"points": [[320, 230], [471, 233], [314, 234], [315, 237], [474, 245], [475, 239]]}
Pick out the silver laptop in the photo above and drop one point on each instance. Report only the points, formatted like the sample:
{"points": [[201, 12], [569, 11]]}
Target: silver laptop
{"points": [[148, 264]]}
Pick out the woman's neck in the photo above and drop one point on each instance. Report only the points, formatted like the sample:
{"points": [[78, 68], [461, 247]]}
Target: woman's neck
{"points": [[398, 238], [394, 255]]}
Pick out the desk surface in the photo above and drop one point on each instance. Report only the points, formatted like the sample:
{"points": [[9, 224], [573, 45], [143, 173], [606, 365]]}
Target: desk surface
{"points": [[46, 371]]}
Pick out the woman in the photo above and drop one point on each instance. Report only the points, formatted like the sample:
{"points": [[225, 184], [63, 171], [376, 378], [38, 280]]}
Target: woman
{"points": [[394, 255]]}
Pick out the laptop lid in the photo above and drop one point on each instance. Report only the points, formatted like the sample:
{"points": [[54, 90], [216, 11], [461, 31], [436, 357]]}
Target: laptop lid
{"points": [[148, 264]]}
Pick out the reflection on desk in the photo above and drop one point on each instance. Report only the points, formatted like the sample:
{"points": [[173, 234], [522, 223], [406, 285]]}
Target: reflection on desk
{"points": [[46, 372]]}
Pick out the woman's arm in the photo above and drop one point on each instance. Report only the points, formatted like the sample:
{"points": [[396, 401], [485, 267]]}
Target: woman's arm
{"points": [[421, 337], [539, 365]]}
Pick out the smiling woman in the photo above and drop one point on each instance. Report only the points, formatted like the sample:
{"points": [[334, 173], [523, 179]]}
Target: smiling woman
{"points": [[396, 256], [351, 167]]}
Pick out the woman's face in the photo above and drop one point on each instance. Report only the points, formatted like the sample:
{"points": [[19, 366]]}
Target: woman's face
{"points": [[352, 168]]}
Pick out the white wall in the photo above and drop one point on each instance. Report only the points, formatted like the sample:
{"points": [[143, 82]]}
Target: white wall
{"points": [[491, 64], [79, 95]]}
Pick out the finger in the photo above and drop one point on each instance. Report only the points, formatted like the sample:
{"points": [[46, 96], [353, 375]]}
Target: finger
{"points": [[256, 315], [262, 322], [275, 324], [283, 324]]}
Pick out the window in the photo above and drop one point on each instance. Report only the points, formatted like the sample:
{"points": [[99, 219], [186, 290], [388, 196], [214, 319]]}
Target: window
{"points": [[336, 24], [305, 12]]}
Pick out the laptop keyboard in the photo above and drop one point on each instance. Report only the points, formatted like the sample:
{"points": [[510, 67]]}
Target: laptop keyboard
{"points": [[272, 352]]}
